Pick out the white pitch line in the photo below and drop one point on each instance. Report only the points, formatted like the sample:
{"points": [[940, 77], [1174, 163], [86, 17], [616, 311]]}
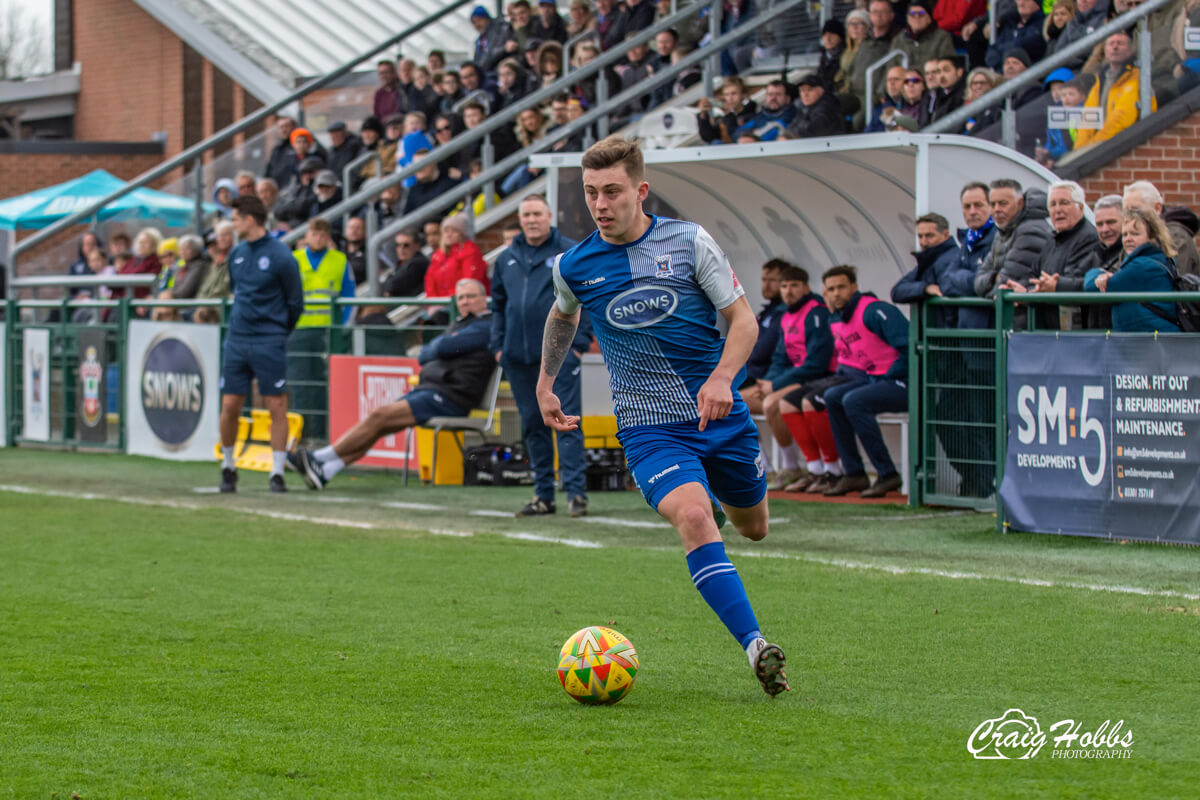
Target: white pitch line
{"points": [[448, 532], [537, 537], [625, 523], [484, 512], [413, 506], [891, 569], [206, 490]]}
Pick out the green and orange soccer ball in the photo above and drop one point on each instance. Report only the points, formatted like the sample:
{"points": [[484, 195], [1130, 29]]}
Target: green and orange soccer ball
{"points": [[597, 666]]}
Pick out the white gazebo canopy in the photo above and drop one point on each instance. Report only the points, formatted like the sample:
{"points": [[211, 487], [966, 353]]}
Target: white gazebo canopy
{"points": [[815, 202]]}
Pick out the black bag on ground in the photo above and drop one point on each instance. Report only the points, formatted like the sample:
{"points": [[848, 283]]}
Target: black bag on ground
{"points": [[497, 464]]}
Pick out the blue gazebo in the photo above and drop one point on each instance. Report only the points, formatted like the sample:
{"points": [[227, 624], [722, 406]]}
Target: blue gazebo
{"points": [[43, 207]]}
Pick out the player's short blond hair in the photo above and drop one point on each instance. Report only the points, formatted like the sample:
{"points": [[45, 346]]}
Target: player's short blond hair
{"points": [[616, 150]]}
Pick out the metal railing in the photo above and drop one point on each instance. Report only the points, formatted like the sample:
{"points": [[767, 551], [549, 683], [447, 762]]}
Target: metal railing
{"points": [[871, 78], [467, 190], [1004, 93], [196, 151]]}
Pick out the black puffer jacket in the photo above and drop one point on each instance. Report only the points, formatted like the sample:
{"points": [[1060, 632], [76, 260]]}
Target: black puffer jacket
{"points": [[1071, 255], [1017, 250]]}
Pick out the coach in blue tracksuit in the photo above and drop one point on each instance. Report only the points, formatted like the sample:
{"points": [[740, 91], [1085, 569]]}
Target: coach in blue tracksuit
{"points": [[267, 303], [522, 293]]}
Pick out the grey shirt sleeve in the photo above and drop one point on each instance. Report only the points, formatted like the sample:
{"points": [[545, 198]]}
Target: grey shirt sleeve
{"points": [[566, 301], [713, 272]]}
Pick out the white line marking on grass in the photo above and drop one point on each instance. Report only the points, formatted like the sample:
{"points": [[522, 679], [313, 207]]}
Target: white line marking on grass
{"points": [[484, 512], [324, 498], [625, 523], [537, 537], [206, 490], [413, 506], [968, 576], [448, 532], [830, 562]]}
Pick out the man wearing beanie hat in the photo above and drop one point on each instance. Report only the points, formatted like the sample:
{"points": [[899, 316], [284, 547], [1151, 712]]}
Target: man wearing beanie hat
{"points": [[833, 44], [489, 44], [923, 40], [1017, 61]]}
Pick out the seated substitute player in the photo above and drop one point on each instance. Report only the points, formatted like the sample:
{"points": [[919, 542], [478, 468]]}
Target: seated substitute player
{"points": [[267, 303], [803, 353], [653, 287], [871, 338], [455, 368]]}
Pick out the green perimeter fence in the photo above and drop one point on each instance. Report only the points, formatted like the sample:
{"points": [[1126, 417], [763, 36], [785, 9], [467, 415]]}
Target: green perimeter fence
{"points": [[958, 389], [308, 355]]}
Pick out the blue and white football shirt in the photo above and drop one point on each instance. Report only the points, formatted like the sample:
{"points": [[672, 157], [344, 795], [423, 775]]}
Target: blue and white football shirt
{"points": [[653, 304]]}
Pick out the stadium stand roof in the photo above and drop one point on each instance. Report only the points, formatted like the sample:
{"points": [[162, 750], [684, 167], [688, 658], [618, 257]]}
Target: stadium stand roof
{"points": [[817, 202], [270, 46]]}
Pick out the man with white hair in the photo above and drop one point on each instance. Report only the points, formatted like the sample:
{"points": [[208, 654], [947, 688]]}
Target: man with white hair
{"points": [[1070, 255], [455, 368], [1144, 194]]}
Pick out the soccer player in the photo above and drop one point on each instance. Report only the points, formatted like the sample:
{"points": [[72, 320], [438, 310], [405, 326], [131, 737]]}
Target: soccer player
{"points": [[267, 304], [653, 287]]}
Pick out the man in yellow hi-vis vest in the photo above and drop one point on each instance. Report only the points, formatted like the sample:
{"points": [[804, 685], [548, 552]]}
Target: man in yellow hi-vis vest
{"points": [[324, 275]]}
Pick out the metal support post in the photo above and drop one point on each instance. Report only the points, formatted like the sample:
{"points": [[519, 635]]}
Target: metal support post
{"points": [[1144, 56], [488, 156], [198, 211], [1008, 124], [601, 99]]}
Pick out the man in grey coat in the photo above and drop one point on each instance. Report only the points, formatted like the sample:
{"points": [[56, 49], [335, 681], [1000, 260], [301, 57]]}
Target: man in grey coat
{"points": [[1022, 237]]}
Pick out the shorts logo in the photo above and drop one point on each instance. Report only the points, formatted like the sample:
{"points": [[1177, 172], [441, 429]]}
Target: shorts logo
{"points": [[666, 471], [760, 465], [640, 307], [264, 263]]}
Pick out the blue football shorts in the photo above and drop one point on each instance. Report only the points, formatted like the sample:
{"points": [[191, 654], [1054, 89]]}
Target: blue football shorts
{"points": [[264, 358], [426, 402], [725, 458]]}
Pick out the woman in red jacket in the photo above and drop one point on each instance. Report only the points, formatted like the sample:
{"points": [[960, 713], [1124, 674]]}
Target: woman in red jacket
{"points": [[145, 258], [457, 258]]}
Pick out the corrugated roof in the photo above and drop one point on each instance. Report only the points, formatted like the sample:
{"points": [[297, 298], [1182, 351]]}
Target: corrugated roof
{"points": [[285, 41]]}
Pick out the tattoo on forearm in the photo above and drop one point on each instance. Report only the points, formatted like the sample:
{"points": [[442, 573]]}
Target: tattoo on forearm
{"points": [[556, 343]]}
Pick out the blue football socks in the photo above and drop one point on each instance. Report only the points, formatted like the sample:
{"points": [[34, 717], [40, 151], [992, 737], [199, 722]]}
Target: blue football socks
{"points": [[722, 589]]}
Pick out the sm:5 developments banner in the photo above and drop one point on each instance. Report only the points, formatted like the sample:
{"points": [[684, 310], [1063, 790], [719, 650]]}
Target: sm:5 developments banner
{"points": [[1104, 436]]}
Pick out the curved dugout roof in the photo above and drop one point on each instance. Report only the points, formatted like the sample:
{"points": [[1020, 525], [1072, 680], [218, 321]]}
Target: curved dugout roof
{"points": [[843, 200]]}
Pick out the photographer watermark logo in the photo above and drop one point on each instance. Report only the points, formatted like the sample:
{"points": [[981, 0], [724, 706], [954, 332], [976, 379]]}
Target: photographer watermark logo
{"points": [[1017, 735]]}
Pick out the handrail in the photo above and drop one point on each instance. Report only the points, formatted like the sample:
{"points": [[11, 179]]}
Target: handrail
{"points": [[952, 123], [227, 132], [84, 281], [871, 77], [505, 117], [467, 189], [1008, 297]]}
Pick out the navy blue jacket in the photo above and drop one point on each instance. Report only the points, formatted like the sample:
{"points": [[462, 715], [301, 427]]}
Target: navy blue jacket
{"points": [[458, 363], [936, 265], [268, 297], [759, 363], [886, 322], [522, 294], [818, 344], [969, 259]]}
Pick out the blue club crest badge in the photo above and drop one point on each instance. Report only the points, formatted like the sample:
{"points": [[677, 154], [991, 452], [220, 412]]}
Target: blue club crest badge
{"points": [[264, 263], [662, 266]]}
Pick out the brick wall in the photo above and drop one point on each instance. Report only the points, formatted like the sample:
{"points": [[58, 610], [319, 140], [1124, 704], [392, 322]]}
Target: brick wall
{"points": [[1171, 161]]}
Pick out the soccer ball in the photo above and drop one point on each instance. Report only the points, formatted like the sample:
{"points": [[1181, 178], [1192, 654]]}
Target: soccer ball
{"points": [[597, 665]]}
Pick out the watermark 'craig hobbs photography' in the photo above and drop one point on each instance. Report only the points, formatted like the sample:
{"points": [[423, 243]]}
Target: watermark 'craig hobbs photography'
{"points": [[1017, 735]]}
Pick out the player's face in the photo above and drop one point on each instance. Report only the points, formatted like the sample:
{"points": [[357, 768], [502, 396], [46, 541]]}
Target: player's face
{"points": [[614, 201], [770, 284], [792, 291], [838, 291]]}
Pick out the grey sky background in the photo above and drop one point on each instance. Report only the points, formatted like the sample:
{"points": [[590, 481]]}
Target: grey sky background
{"points": [[42, 13]]}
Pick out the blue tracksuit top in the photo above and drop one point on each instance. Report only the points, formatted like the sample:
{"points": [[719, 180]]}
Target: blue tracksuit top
{"points": [[522, 294], [268, 297]]}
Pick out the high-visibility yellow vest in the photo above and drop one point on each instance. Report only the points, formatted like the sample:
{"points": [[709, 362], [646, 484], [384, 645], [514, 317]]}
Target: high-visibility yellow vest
{"points": [[320, 286]]}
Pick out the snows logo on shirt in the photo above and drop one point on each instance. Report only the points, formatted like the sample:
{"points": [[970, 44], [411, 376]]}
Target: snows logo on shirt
{"points": [[645, 305]]}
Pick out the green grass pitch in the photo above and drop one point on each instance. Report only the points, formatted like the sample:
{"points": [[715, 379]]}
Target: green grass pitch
{"points": [[156, 641]]}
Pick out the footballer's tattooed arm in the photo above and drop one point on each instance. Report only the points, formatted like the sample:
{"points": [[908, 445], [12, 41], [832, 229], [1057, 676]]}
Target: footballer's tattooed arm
{"points": [[557, 339], [556, 343]]}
